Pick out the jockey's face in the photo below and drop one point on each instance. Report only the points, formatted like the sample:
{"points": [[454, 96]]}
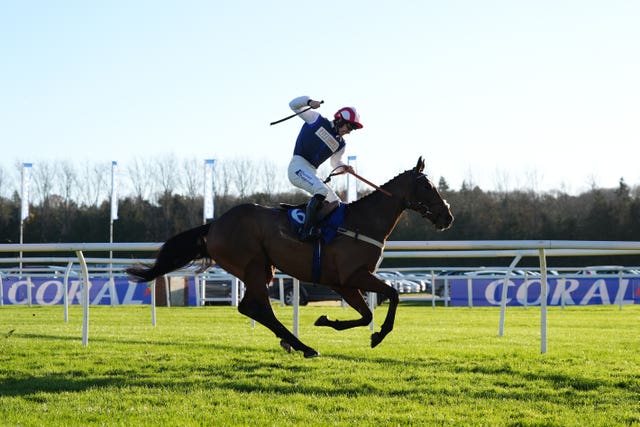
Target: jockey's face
{"points": [[346, 129]]}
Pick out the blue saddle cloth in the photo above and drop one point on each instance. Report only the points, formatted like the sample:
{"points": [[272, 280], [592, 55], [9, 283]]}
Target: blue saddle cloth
{"points": [[328, 225], [328, 230]]}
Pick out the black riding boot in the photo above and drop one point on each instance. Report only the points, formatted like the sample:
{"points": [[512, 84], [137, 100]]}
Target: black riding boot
{"points": [[311, 217]]}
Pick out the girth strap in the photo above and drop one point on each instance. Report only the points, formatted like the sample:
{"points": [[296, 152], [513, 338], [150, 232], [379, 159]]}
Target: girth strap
{"points": [[359, 236]]}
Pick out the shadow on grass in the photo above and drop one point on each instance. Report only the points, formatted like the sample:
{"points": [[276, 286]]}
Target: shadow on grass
{"points": [[419, 302], [30, 385]]}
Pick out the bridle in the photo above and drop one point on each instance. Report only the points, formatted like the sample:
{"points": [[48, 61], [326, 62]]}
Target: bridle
{"points": [[421, 207]]}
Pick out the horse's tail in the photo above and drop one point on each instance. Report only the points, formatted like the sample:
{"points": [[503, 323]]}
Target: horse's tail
{"points": [[178, 251]]}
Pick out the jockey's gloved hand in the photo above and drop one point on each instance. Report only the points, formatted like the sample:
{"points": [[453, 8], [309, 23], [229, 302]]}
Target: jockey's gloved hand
{"points": [[347, 169], [313, 104]]}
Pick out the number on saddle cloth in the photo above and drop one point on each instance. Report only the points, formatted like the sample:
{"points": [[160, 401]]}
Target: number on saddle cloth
{"points": [[328, 225]]}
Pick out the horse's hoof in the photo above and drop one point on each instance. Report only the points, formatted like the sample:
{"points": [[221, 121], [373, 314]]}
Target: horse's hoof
{"points": [[285, 345], [311, 353], [376, 339], [322, 321]]}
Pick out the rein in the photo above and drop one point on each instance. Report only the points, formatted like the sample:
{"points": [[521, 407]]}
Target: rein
{"points": [[366, 181], [377, 187]]}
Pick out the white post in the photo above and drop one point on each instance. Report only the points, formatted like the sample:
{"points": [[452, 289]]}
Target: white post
{"points": [[433, 291], [281, 290], [234, 291], [21, 241], [29, 290], [446, 293], [85, 299], [543, 302], [112, 286], [112, 217], [196, 280], [296, 305], [167, 289], [505, 286], [153, 302], [619, 290], [526, 291], [24, 202], [65, 291], [371, 301]]}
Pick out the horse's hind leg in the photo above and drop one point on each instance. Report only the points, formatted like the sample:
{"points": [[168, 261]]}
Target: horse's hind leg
{"points": [[366, 281], [256, 305], [259, 309], [354, 298]]}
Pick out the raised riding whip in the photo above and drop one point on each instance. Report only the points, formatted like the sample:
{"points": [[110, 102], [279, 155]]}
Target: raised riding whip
{"points": [[291, 116]]}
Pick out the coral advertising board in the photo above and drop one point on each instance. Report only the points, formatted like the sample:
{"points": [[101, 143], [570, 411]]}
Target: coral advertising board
{"points": [[527, 292]]}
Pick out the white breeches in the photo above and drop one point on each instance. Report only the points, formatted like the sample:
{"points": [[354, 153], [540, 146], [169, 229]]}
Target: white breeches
{"points": [[302, 174]]}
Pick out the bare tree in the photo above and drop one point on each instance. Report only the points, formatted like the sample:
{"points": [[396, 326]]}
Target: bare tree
{"points": [[2, 180], [533, 180], [469, 181], [92, 183], [68, 182], [501, 180], [140, 178], [192, 177], [222, 178], [45, 177], [270, 179], [244, 175], [166, 174]]}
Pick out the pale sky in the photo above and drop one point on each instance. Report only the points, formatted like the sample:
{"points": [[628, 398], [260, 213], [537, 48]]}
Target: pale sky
{"points": [[506, 95]]}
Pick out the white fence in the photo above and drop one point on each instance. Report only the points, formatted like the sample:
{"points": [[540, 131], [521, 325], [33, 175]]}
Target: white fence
{"points": [[395, 249]]}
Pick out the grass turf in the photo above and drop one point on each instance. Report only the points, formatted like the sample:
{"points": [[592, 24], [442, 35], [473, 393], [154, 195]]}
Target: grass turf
{"points": [[208, 366]]}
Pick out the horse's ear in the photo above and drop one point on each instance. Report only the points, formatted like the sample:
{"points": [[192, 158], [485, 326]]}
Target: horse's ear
{"points": [[420, 165]]}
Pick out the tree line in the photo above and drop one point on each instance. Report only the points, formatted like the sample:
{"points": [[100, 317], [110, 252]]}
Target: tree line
{"points": [[163, 199]]}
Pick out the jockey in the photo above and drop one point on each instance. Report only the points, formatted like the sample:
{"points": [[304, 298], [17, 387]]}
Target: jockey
{"points": [[319, 139]]}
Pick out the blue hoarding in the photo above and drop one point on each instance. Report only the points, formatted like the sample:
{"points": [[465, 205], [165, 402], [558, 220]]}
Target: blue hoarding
{"points": [[526, 292], [49, 291]]}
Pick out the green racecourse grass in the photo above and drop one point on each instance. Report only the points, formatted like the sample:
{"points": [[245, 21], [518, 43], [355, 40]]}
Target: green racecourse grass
{"points": [[208, 366]]}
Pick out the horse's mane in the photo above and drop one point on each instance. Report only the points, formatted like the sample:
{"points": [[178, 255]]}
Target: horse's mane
{"points": [[373, 193]]}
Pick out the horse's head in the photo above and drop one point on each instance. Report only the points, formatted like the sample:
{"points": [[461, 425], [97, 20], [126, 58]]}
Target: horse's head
{"points": [[425, 199]]}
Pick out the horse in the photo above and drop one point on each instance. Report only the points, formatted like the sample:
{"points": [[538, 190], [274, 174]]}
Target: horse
{"points": [[251, 241]]}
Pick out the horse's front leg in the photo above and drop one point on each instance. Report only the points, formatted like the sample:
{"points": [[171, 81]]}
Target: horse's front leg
{"points": [[366, 281], [354, 298]]}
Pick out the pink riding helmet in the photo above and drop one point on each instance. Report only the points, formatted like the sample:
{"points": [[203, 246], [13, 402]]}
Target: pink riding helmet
{"points": [[350, 115]]}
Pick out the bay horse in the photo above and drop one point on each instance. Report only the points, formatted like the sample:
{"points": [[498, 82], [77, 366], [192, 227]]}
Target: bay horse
{"points": [[250, 241]]}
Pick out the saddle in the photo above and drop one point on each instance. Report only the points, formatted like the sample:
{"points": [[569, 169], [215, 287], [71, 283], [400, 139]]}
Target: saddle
{"points": [[330, 218]]}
